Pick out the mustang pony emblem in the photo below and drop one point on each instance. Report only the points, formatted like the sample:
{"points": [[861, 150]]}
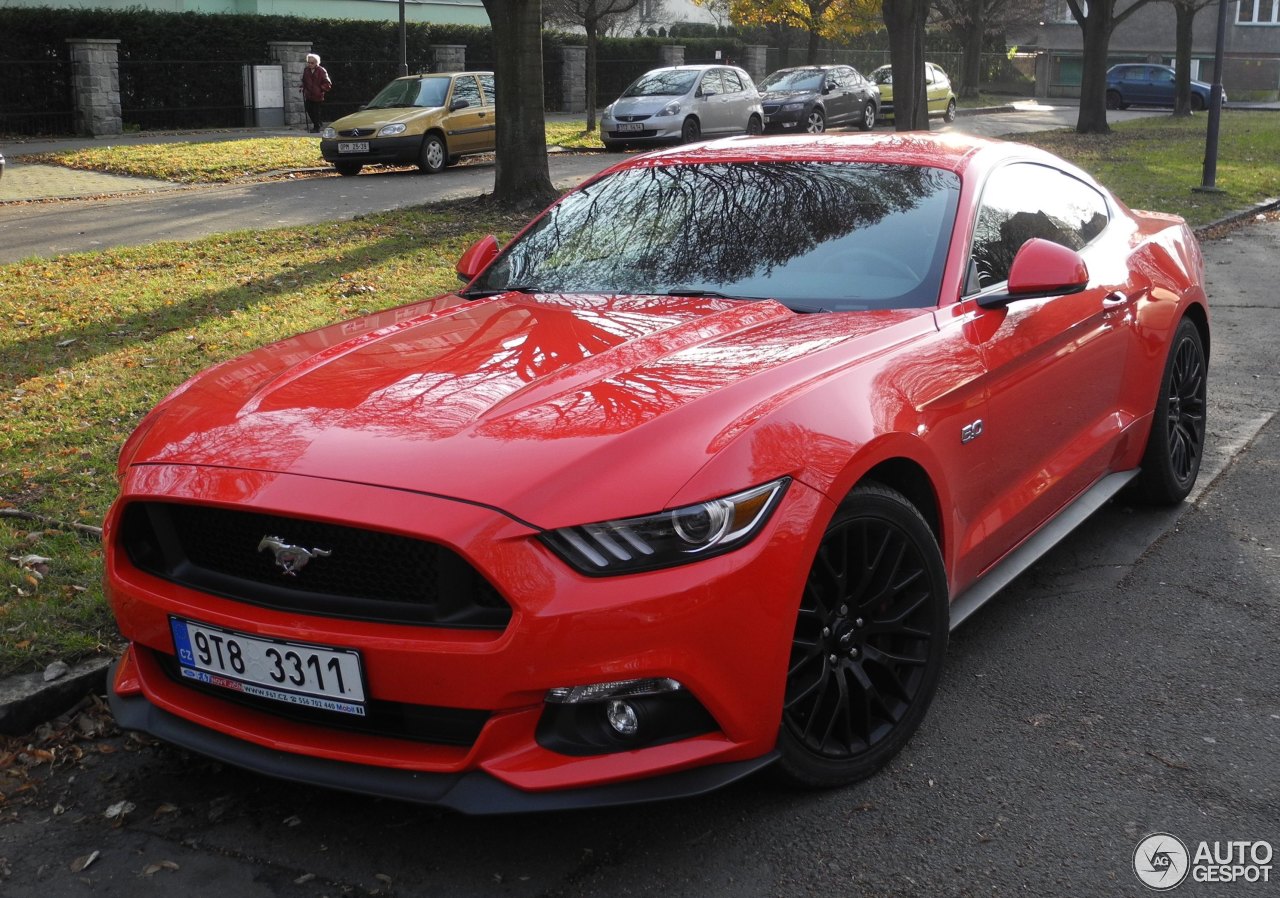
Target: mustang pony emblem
{"points": [[290, 559]]}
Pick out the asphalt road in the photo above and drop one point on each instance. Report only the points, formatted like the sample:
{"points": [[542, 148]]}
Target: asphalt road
{"points": [[1124, 685], [48, 229]]}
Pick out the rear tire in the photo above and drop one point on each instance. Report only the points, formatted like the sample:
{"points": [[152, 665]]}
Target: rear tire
{"points": [[1176, 443], [950, 114], [869, 642], [868, 120]]}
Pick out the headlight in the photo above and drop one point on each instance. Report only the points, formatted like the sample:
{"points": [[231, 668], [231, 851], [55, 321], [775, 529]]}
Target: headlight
{"points": [[328, 134], [388, 130], [792, 107], [668, 538], [670, 109], [608, 110]]}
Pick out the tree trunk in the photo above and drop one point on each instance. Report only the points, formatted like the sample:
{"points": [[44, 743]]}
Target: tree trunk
{"points": [[521, 177], [1093, 76], [904, 21], [812, 56], [593, 51], [1185, 14], [971, 31]]}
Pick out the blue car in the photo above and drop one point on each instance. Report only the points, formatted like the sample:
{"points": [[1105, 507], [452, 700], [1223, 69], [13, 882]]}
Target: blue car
{"points": [[1143, 84]]}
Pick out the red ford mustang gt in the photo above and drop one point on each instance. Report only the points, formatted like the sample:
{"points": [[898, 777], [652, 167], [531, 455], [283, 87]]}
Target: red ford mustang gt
{"points": [[693, 477]]}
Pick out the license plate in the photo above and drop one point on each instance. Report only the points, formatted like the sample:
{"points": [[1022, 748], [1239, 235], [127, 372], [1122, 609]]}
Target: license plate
{"points": [[630, 126], [314, 676], [359, 146]]}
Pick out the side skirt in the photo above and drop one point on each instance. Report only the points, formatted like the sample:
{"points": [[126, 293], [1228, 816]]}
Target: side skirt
{"points": [[1044, 539]]}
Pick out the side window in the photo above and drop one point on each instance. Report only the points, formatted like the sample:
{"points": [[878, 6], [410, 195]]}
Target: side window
{"points": [[466, 88], [711, 82], [490, 93], [1024, 200], [732, 83], [853, 77], [1161, 76], [1135, 73], [930, 76]]}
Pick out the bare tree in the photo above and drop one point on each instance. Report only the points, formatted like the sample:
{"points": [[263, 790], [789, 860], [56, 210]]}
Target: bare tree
{"points": [[593, 16], [1097, 19], [973, 20], [904, 20], [1185, 13], [521, 177]]}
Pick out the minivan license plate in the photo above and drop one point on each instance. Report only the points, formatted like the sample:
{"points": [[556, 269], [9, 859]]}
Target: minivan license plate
{"points": [[314, 676], [360, 146]]}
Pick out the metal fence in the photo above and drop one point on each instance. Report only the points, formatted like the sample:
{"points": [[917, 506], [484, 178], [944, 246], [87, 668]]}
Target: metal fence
{"points": [[158, 96], [36, 97]]}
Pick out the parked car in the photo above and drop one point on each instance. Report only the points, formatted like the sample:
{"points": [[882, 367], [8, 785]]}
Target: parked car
{"points": [[937, 86], [1151, 85], [814, 98], [682, 104], [692, 478], [426, 120]]}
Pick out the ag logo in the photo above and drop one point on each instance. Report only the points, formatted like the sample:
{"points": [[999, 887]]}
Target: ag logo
{"points": [[1161, 861]]}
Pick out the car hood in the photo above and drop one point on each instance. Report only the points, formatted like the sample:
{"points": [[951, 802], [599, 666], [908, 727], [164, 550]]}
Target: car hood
{"points": [[376, 118], [788, 96], [515, 402], [643, 105]]}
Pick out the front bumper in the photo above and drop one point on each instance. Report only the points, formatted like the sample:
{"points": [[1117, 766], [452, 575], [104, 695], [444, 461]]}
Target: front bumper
{"points": [[721, 627], [785, 119], [399, 150], [654, 129]]}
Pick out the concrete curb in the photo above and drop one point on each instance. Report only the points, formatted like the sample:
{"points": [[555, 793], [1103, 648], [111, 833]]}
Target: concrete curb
{"points": [[26, 700]]}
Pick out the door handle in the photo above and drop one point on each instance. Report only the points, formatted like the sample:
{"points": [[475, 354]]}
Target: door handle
{"points": [[1113, 299]]}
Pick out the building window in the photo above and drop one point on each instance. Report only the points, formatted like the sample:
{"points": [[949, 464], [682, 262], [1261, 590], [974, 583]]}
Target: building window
{"points": [[1258, 12]]}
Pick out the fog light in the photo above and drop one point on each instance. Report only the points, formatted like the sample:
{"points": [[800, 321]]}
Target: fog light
{"points": [[622, 717]]}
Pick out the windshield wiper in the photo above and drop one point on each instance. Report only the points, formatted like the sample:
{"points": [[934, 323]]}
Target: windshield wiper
{"points": [[709, 294], [487, 294]]}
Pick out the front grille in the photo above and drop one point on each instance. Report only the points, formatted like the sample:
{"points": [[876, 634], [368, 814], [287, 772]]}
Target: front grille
{"points": [[356, 132], [421, 723], [632, 118], [771, 108], [366, 575]]}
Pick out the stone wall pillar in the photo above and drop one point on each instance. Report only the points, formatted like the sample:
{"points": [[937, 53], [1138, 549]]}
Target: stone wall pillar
{"points": [[291, 56], [95, 80], [755, 60], [448, 57], [1044, 68], [670, 55], [573, 79]]}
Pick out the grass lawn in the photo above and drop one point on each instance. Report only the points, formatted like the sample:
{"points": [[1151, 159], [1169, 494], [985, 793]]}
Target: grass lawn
{"points": [[89, 342]]}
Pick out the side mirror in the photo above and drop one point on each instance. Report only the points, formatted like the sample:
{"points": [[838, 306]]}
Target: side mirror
{"points": [[475, 259], [1041, 268], [458, 104]]}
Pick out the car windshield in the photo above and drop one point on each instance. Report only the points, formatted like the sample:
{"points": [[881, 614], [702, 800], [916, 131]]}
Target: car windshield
{"points": [[816, 236], [882, 75], [420, 92], [793, 81], [662, 84]]}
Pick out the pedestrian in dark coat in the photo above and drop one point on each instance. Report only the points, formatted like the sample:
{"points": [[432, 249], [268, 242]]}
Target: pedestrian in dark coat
{"points": [[315, 84]]}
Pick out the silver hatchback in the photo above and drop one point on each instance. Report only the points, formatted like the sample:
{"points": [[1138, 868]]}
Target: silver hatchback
{"points": [[682, 104]]}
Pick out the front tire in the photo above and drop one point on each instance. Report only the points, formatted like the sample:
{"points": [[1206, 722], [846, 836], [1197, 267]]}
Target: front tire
{"points": [[869, 642], [1114, 100], [1176, 443], [347, 169], [816, 123], [755, 127], [433, 155], [690, 130], [1198, 104]]}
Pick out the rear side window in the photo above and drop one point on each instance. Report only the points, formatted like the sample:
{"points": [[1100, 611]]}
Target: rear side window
{"points": [[1025, 200], [490, 93]]}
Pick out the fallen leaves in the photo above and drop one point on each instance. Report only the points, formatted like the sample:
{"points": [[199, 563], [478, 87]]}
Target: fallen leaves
{"points": [[82, 863]]}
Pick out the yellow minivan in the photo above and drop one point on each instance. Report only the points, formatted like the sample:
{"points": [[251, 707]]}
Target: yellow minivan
{"points": [[426, 120]]}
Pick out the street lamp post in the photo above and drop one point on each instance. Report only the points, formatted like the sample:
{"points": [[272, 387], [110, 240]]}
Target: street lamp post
{"points": [[1208, 180], [404, 43]]}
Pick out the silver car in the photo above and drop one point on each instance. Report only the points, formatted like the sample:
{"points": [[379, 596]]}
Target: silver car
{"points": [[682, 104]]}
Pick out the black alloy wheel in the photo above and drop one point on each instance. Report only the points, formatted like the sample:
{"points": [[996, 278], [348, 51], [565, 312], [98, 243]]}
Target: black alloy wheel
{"points": [[869, 642], [1176, 443], [690, 130]]}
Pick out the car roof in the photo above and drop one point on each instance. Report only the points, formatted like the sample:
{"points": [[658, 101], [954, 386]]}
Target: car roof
{"points": [[422, 75], [950, 151]]}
